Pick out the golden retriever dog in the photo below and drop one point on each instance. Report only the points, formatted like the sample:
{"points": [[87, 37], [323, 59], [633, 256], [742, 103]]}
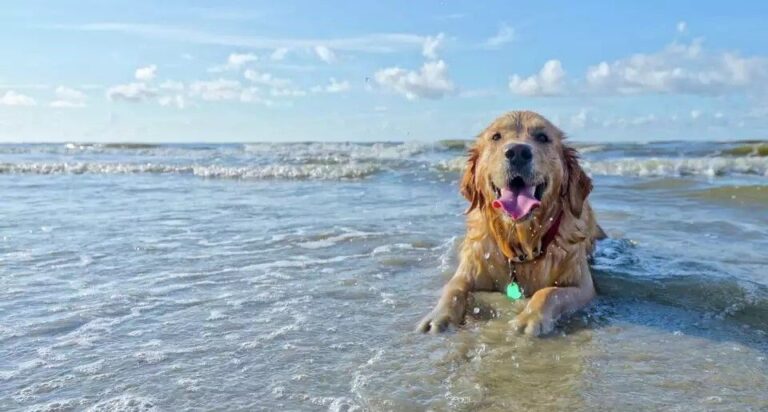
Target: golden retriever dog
{"points": [[529, 226]]}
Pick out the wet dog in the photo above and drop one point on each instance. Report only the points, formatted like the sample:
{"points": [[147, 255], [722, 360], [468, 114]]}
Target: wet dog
{"points": [[530, 227]]}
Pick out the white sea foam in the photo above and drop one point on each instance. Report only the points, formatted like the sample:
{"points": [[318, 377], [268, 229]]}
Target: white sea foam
{"points": [[125, 403], [456, 164], [150, 357], [696, 166], [90, 368], [62, 405], [329, 241], [592, 148], [339, 152], [273, 171], [336, 161], [657, 166], [41, 388]]}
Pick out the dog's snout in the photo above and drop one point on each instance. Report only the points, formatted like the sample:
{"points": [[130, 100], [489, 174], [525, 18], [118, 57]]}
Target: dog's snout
{"points": [[519, 154]]}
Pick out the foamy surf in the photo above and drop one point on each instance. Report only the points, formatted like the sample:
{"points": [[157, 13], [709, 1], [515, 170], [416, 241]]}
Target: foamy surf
{"points": [[274, 171], [676, 167], [656, 166], [342, 151]]}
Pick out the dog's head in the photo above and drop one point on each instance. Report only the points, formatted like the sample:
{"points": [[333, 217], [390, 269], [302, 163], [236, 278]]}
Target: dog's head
{"points": [[519, 167]]}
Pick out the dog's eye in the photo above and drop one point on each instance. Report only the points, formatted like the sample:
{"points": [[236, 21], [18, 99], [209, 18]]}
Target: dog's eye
{"points": [[541, 137], [496, 136]]}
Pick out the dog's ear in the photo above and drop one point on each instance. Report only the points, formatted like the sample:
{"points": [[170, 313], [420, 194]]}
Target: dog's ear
{"points": [[577, 184], [468, 182]]}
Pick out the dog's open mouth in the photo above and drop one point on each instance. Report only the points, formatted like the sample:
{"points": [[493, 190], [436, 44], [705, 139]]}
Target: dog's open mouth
{"points": [[519, 198]]}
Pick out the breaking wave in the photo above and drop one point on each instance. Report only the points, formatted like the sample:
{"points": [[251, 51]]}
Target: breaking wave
{"points": [[748, 149], [665, 167], [618, 272], [657, 167], [346, 160], [282, 171]]}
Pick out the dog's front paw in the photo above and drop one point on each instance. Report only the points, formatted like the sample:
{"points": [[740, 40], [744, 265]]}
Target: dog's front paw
{"points": [[438, 321], [533, 322]]}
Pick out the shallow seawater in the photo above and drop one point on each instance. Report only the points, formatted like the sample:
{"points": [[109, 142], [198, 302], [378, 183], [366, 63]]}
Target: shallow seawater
{"points": [[291, 276]]}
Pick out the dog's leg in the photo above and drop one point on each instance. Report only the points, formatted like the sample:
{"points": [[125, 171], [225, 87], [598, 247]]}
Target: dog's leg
{"points": [[548, 304], [452, 304]]}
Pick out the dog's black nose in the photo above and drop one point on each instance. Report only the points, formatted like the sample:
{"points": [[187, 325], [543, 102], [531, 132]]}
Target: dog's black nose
{"points": [[519, 154]]}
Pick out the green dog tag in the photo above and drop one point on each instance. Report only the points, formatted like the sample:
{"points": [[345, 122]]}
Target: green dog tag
{"points": [[513, 291]]}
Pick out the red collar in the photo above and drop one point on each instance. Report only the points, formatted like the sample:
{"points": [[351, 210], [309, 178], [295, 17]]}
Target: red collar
{"points": [[551, 233], [546, 240]]}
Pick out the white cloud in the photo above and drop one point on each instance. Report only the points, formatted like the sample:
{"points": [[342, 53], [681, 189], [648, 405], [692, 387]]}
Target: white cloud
{"points": [[547, 82], [287, 92], [253, 95], [11, 98], [176, 94], [171, 85], [337, 87], [146, 74], [177, 101], [224, 90], [279, 53], [168, 93], [131, 92], [173, 94], [235, 61], [430, 82], [506, 34], [278, 87], [66, 93], [682, 26], [680, 68], [28, 86], [65, 104], [266, 79], [668, 121], [333, 86], [68, 98], [431, 44], [325, 54], [371, 43], [216, 90]]}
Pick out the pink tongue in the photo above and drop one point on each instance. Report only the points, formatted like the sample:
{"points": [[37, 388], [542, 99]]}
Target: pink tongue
{"points": [[517, 202]]}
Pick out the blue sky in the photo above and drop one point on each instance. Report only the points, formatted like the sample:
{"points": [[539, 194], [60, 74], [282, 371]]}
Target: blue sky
{"points": [[228, 71]]}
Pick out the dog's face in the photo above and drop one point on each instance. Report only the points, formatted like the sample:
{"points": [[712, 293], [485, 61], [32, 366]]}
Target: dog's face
{"points": [[519, 165]]}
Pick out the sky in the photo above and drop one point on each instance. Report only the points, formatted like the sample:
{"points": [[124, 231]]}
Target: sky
{"points": [[240, 71]]}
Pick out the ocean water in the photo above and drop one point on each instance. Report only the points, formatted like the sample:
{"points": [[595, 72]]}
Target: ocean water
{"points": [[291, 276]]}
